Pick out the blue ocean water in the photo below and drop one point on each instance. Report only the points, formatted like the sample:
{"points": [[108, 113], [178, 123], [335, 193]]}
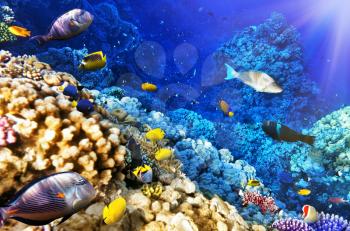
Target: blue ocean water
{"points": [[182, 47]]}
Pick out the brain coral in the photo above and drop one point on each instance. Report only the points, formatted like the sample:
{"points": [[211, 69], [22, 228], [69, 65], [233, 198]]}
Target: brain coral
{"points": [[53, 135]]}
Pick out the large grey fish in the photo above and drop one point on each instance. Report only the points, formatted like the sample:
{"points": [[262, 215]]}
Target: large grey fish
{"points": [[49, 198], [259, 81], [67, 26]]}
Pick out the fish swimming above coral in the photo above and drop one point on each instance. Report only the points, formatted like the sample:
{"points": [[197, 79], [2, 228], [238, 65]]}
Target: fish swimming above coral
{"points": [[163, 154], [309, 214], [67, 26], [70, 90], [84, 106], [155, 134], [49, 198], [93, 61], [19, 31], [225, 108], [283, 133], [259, 81], [149, 87], [304, 192], [253, 183], [144, 173], [113, 212]]}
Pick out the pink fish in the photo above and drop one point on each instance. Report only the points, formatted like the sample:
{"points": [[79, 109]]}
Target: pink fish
{"points": [[337, 200]]}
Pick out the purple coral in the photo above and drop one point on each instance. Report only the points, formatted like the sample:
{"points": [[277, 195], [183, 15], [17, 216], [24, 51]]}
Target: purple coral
{"points": [[291, 225], [330, 222], [7, 134]]}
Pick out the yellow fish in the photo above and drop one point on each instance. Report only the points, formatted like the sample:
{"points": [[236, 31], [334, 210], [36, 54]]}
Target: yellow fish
{"points": [[19, 31], [144, 173], [225, 108], [254, 183], [149, 87], [93, 61], [114, 211], [163, 154], [155, 134], [304, 192]]}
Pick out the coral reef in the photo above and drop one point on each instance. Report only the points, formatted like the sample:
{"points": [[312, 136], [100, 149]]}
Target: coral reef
{"points": [[265, 203], [53, 135], [291, 225], [178, 208], [214, 170], [7, 134], [271, 47]]}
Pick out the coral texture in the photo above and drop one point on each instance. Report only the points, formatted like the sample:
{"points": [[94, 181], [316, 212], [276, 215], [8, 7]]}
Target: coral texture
{"points": [[265, 203], [291, 225], [7, 134]]}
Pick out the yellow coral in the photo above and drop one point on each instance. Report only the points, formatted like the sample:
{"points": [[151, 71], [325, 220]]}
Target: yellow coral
{"points": [[153, 190]]}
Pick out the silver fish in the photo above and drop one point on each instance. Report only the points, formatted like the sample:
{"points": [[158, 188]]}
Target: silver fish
{"points": [[49, 198], [259, 81], [67, 26]]}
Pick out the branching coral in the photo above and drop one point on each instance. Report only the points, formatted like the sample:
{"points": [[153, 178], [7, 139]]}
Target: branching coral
{"points": [[5, 35], [291, 225], [264, 202]]}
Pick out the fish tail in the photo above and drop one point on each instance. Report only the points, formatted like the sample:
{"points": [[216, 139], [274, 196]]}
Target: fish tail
{"points": [[230, 72], [308, 139], [3, 216], [41, 39]]}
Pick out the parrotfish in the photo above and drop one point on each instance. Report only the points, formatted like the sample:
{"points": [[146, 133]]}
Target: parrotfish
{"points": [[281, 132], [67, 26], [259, 81], [49, 198], [93, 61]]}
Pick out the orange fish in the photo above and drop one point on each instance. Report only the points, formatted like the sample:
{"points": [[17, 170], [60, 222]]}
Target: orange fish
{"points": [[225, 108], [19, 31], [149, 87], [337, 200]]}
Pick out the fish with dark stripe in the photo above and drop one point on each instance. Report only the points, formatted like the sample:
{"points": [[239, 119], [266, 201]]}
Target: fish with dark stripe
{"points": [[281, 132], [49, 198]]}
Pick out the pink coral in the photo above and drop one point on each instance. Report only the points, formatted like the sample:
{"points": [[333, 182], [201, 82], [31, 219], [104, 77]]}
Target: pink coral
{"points": [[265, 203], [7, 134]]}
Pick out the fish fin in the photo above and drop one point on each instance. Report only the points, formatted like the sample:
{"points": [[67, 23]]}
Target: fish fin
{"points": [[33, 222], [41, 39], [308, 139], [65, 218], [230, 73]]}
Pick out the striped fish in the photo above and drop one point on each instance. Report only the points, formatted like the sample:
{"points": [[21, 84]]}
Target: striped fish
{"points": [[49, 198]]}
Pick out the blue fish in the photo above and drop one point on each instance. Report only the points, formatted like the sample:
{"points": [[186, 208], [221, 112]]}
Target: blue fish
{"points": [[85, 106], [71, 91], [49, 198]]}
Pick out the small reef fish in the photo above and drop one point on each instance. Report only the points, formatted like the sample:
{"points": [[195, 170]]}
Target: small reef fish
{"points": [[304, 192], [113, 212], [253, 183], [84, 106], [309, 214], [144, 173], [225, 108], [149, 87], [49, 198], [259, 81], [67, 26], [281, 132], [70, 91], [19, 31], [93, 61], [163, 154], [155, 134], [337, 200]]}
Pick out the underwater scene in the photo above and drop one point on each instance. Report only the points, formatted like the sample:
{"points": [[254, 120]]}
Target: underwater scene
{"points": [[175, 115]]}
